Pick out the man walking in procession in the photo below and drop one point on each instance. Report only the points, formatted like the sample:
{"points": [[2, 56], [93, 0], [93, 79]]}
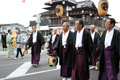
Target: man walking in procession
{"points": [[95, 42], [64, 48], [109, 52], [36, 42], [81, 52], [53, 41]]}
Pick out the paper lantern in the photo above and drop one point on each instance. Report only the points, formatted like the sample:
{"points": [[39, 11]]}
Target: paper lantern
{"points": [[82, 11], [103, 7], [73, 7], [59, 10], [90, 14], [24, 52], [51, 60]]}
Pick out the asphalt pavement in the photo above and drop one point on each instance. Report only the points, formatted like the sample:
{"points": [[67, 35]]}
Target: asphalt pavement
{"points": [[21, 69]]}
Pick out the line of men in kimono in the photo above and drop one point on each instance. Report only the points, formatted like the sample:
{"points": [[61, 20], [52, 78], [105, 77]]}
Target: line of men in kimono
{"points": [[75, 50]]}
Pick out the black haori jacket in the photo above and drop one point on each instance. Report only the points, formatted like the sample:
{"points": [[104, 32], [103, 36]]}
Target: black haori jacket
{"points": [[56, 38], [95, 44], [87, 48], [115, 51], [69, 47], [40, 41]]}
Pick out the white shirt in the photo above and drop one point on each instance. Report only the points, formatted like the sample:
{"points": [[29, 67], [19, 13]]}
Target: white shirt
{"points": [[53, 38], [79, 37], [108, 38], [64, 38], [93, 35], [34, 36]]}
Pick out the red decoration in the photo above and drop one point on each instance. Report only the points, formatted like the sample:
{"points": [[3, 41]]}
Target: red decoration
{"points": [[23, 1]]}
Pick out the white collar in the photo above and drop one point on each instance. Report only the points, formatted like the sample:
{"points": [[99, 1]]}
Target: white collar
{"points": [[93, 32], [64, 38], [108, 38], [66, 32], [35, 33], [80, 31], [111, 30], [54, 34]]}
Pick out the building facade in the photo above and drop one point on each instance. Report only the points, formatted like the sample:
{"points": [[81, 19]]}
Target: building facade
{"points": [[72, 11], [14, 26]]}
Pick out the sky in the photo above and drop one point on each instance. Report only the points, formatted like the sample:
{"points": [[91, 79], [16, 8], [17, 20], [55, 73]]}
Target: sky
{"points": [[15, 11]]}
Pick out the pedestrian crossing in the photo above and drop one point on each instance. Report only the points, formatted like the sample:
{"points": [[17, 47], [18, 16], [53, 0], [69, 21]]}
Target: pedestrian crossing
{"points": [[26, 69], [21, 70]]}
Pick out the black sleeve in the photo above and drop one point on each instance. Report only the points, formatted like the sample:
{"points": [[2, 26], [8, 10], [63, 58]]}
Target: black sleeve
{"points": [[119, 44], [100, 44], [56, 47], [90, 45], [98, 39], [42, 39], [50, 40], [1, 37]]}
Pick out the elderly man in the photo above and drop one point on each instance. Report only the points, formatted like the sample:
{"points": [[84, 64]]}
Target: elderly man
{"points": [[109, 52], [81, 52], [63, 48], [53, 41], [36, 41], [95, 42]]}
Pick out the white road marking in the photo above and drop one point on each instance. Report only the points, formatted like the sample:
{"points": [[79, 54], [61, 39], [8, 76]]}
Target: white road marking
{"points": [[21, 70], [30, 74]]}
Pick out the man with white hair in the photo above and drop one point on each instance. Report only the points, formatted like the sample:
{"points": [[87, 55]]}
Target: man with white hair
{"points": [[63, 48], [53, 40], [95, 42]]}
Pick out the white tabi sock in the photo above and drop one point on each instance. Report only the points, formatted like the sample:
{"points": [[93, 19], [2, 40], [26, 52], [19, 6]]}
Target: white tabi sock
{"points": [[68, 78], [64, 79]]}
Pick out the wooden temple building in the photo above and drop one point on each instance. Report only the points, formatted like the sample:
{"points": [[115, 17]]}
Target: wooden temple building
{"points": [[72, 11]]}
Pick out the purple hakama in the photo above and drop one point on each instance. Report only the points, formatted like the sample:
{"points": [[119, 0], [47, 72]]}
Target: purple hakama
{"points": [[93, 58], [35, 56], [107, 73], [51, 49], [66, 70], [78, 73]]}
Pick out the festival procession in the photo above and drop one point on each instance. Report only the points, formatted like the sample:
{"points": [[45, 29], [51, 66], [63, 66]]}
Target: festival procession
{"points": [[59, 40]]}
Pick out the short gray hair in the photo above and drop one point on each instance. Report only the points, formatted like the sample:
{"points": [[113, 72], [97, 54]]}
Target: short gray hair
{"points": [[92, 26], [67, 23]]}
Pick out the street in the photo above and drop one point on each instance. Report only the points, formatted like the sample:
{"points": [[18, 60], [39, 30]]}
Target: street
{"points": [[21, 69]]}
